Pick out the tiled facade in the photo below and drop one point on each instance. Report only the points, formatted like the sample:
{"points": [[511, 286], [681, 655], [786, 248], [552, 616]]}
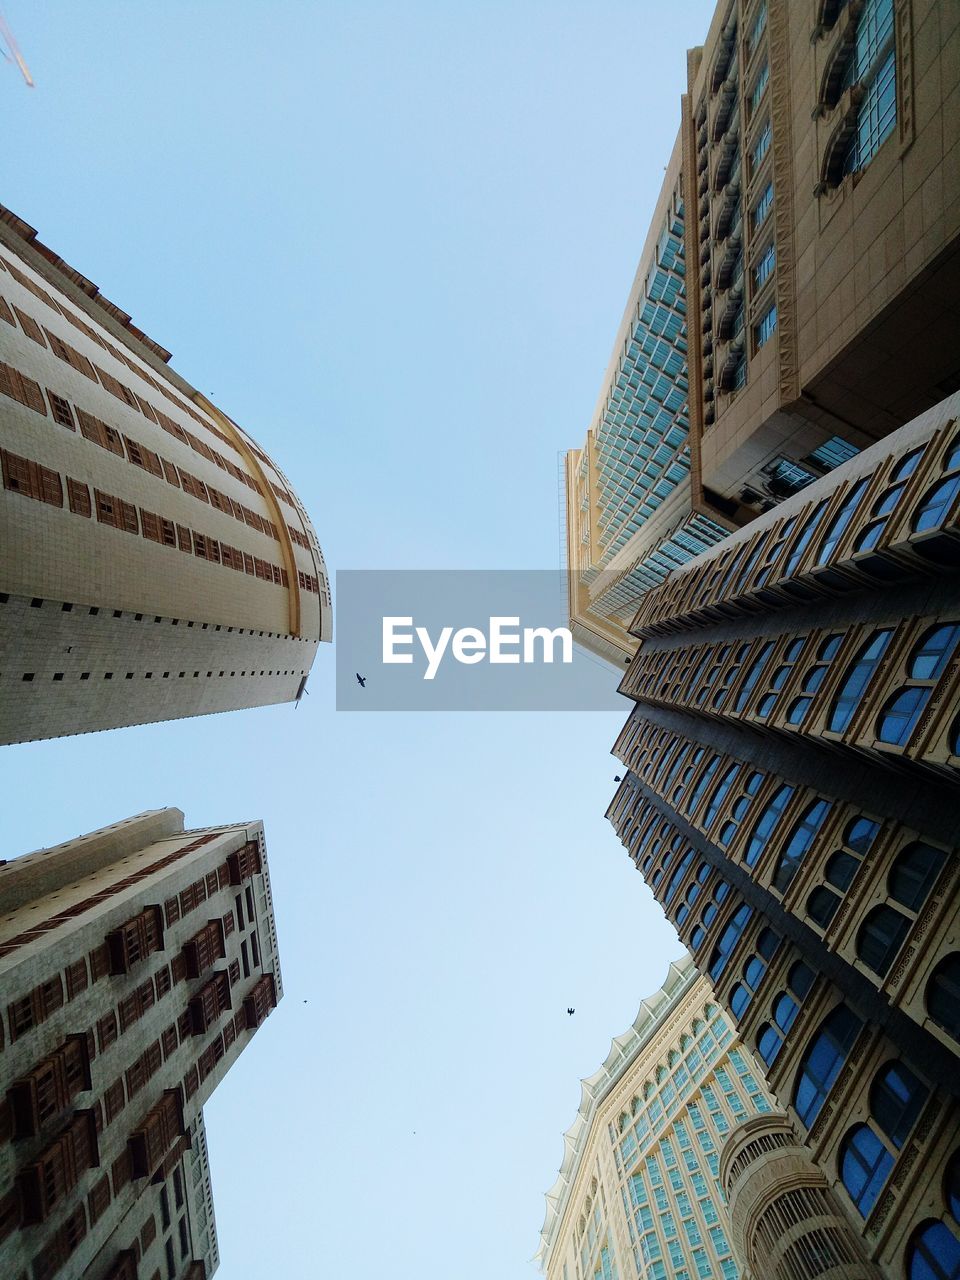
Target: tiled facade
{"points": [[155, 562], [136, 963], [816, 190], [790, 795], [639, 1193]]}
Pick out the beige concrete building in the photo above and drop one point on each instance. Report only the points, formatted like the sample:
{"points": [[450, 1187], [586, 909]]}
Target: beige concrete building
{"points": [[639, 1193], [791, 793], [816, 190], [136, 963], [154, 562]]}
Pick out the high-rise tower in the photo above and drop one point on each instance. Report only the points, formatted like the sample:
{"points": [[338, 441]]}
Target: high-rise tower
{"points": [[795, 296], [640, 1191], [791, 796], [136, 964], [154, 562]]}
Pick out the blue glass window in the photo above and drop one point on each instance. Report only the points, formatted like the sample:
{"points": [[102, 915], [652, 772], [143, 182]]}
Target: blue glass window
{"points": [[865, 1165], [720, 794], [801, 544], [679, 873], [705, 779], [754, 671], [728, 940], [768, 1043], [880, 937], [800, 979], [760, 147], [856, 680], [838, 525], [859, 835], [764, 328], [766, 824], [822, 906], [900, 715], [764, 268], [896, 1100], [934, 1253], [914, 873], [799, 842], [929, 658], [823, 1061], [740, 997], [943, 995], [763, 206], [935, 503]]}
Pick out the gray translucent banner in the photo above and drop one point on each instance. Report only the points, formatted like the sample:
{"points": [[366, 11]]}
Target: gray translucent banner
{"points": [[471, 640]]}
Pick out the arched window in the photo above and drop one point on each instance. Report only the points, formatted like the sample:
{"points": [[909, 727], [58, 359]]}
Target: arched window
{"points": [[814, 679], [927, 663], [720, 794], [896, 1100], [860, 834], [697, 937], [801, 838], [682, 868], [881, 937], [754, 672], [780, 539], [740, 997], [823, 1061], [803, 541], [767, 943], [865, 1165], [857, 677], [838, 525], [800, 979], [730, 828], [768, 1043], [822, 903], [728, 940], [933, 507], [869, 535], [943, 995], [779, 677], [914, 873], [705, 779], [785, 1010], [933, 1253], [766, 824], [872, 68], [840, 869]]}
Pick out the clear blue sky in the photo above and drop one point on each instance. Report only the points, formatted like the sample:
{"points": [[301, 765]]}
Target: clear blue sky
{"points": [[394, 240]]}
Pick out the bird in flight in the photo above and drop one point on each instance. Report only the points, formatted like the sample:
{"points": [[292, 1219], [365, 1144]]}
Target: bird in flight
{"points": [[361, 680], [617, 778], [571, 1012]]}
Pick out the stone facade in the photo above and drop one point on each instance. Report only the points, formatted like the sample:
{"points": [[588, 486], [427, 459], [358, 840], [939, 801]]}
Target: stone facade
{"points": [[154, 562], [136, 963]]}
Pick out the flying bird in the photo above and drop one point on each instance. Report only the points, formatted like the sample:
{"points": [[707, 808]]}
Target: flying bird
{"points": [[361, 680], [571, 1012], [617, 778]]}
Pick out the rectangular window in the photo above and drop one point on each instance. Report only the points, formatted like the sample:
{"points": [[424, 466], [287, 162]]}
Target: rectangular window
{"points": [[759, 85], [765, 326], [60, 408], [762, 207], [764, 268], [79, 497], [760, 147]]}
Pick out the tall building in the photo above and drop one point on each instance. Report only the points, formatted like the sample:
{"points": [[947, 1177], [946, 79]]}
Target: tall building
{"points": [[154, 562], [629, 518], [639, 1193], [136, 964], [791, 796], [817, 197]]}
